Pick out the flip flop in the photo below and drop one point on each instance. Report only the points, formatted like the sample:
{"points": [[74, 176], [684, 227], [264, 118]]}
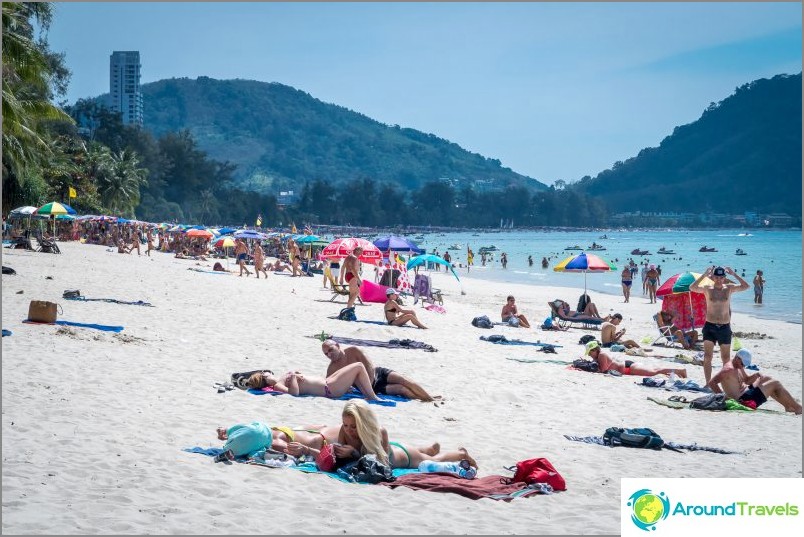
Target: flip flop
{"points": [[678, 399]]}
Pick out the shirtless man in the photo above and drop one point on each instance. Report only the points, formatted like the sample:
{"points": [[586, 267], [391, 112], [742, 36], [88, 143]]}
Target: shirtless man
{"points": [[755, 389], [718, 313], [135, 242], [394, 313], [605, 364], [241, 252], [259, 260], [350, 272], [295, 258], [384, 380], [609, 334], [759, 287], [510, 315]]}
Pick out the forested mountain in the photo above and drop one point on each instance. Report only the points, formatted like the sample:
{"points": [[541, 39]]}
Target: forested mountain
{"points": [[280, 137], [743, 154]]}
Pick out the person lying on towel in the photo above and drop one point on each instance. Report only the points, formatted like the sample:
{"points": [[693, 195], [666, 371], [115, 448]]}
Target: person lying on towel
{"points": [[606, 364], [384, 380], [333, 386]]}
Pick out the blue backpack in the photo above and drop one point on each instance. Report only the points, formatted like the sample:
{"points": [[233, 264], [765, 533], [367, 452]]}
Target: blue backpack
{"points": [[347, 314]]}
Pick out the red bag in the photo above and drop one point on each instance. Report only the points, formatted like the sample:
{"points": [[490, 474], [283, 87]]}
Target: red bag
{"points": [[539, 471], [325, 461]]}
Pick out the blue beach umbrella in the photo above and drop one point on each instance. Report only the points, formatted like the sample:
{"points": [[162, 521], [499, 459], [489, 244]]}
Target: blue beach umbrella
{"points": [[397, 244], [250, 234], [430, 258], [308, 239]]}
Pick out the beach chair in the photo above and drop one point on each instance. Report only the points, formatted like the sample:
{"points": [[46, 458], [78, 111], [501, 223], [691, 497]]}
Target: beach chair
{"points": [[557, 312], [670, 340], [48, 246], [336, 288], [23, 242], [423, 289]]}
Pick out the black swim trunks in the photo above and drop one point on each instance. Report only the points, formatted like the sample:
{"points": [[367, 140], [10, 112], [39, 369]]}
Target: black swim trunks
{"points": [[753, 394], [717, 333], [607, 345], [380, 379]]}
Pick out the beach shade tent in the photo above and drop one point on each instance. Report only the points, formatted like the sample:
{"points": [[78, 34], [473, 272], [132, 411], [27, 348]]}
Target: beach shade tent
{"points": [[688, 308], [585, 263], [342, 248], [396, 243], [200, 233]]}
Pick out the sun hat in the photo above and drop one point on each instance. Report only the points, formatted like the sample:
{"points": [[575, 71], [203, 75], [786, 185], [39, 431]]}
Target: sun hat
{"points": [[745, 356], [590, 346], [390, 291]]}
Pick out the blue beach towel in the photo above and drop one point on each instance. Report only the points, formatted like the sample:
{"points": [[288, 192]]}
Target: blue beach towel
{"points": [[112, 300], [354, 393], [105, 328], [502, 340]]}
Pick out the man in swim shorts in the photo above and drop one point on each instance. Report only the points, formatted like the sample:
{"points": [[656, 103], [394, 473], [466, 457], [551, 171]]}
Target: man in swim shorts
{"points": [[751, 390], [717, 329], [384, 381]]}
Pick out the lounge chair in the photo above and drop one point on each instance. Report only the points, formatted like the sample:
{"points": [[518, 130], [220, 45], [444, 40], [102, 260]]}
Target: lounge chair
{"points": [[23, 242], [336, 288], [423, 289], [47, 245], [557, 312]]}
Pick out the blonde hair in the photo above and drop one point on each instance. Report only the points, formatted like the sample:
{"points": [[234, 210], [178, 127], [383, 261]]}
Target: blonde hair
{"points": [[258, 381], [368, 429]]}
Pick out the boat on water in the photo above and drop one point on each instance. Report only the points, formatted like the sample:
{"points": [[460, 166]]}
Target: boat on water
{"points": [[744, 235], [596, 247], [637, 251], [486, 249], [664, 250], [418, 238], [576, 247], [707, 249], [740, 251], [603, 237], [455, 247]]}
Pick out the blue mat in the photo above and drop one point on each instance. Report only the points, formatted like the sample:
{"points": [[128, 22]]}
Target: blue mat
{"points": [[385, 400], [507, 341], [103, 327], [112, 300]]}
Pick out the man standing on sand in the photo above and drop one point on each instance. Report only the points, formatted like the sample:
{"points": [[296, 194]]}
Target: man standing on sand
{"points": [[351, 273], [750, 390], [717, 328], [241, 253], [759, 287], [383, 380]]}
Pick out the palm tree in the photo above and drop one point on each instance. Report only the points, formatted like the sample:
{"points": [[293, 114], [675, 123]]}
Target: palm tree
{"points": [[120, 181]]}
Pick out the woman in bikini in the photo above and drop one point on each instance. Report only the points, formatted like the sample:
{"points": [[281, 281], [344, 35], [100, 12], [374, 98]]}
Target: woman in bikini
{"points": [[394, 313], [652, 282], [333, 386], [361, 434], [625, 276]]}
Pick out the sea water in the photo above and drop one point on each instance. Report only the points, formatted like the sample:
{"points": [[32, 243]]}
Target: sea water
{"points": [[776, 252]]}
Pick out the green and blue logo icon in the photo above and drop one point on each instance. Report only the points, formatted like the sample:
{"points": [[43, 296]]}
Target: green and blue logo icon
{"points": [[648, 508]]}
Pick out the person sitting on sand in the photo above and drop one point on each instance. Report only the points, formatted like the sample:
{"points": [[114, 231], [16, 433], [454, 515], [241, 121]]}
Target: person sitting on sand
{"points": [[750, 390], [121, 246], [510, 315], [606, 364], [333, 386], [687, 338], [609, 335], [384, 380], [184, 254], [394, 313], [360, 434], [217, 267], [277, 266]]}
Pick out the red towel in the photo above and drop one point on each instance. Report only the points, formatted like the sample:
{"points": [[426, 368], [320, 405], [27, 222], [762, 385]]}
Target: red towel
{"points": [[482, 487]]}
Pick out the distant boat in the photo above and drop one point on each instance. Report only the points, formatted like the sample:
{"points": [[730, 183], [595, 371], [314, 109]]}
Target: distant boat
{"points": [[664, 250], [603, 237], [486, 249], [596, 247], [455, 247], [740, 251], [637, 251], [744, 235], [576, 247], [707, 249]]}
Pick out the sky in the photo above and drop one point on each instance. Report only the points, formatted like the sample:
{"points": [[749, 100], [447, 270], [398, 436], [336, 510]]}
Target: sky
{"points": [[552, 90]]}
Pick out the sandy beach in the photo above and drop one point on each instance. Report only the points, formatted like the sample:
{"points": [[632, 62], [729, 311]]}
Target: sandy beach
{"points": [[94, 422]]}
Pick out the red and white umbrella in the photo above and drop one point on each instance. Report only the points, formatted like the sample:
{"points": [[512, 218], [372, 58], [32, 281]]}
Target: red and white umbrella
{"points": [[342, 248]]}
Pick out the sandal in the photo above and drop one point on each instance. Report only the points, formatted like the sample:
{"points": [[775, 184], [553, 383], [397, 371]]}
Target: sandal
{"points": [[678, 399]]}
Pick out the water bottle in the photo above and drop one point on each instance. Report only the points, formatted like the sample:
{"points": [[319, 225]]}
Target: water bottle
{"points": [[462, 469]]}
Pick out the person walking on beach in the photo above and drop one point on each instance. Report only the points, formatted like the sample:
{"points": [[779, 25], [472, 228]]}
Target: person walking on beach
{"points": [[759, 287], [135, 242], [241, 253], [350, 273], [652, 280], [259, 260], [384, 380], [150, 238], [717, 329], [625, 276]]}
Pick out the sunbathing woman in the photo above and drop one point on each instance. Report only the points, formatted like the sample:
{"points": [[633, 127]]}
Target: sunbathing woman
{"points": [[361, 434], [606, 364], [333, 386]]}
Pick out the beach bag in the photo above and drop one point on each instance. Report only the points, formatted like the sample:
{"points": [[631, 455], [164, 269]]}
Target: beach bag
{"points": [[585, 339], [713, 401], [538, 470], [586, 365], [42, 311], [70, 294], [347, 314], [641, 437], [325, 461], [497, 338], [482, 322], [370, 470]]}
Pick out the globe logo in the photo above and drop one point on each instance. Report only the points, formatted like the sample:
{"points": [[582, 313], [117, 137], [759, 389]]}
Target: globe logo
{"points": [[648, 508]]}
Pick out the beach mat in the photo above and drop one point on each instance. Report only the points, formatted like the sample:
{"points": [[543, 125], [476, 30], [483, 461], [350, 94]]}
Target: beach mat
{"points": [[208, 271], [677, 386], [502, 340], [674, 446], [110, 300], [103, 327], [390, 344], [385, 400], [531, 361], [683, 403], [490, 486]]}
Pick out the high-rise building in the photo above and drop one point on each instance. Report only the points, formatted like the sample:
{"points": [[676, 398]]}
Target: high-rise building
{"points": [[124, 86]]}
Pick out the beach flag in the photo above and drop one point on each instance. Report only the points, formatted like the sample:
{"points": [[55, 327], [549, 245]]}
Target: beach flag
{"points": [[293, 229], [259, 220], [73, 193]]}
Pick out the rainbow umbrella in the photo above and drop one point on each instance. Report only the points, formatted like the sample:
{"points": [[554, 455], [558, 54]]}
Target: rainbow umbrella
{"points": [[225, 242], [584, 263], [688, 308], [54, 208]]}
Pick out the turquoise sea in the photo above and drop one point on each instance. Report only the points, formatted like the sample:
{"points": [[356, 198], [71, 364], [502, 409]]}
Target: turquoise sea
{"points": [[776, 253]]}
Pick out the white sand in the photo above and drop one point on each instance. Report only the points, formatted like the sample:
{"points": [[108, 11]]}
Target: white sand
{"points": [[94, 423]]}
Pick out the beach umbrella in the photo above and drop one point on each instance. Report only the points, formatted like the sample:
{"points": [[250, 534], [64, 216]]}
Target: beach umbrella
{"points": [[688, 308], [680, 283], [54, 207], [308, 239], [342, 248], [226, 230], [225, 242], [430, 258], [396, 243], [249, 234], [23, 211], [585, 263], [202, 233]]}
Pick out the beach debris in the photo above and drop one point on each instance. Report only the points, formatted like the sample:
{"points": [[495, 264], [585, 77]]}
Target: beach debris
{"points": [[20, 292]]}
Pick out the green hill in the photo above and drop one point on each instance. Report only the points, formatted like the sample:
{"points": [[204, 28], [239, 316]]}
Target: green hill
{"points": [[744, 153], [281, 137]]}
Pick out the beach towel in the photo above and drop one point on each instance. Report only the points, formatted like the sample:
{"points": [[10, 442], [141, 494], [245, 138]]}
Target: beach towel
{"points": [[491, 486], [674, 446], [111, 300], [103, 327], [390, 344], [530, 361], [354, 393], [436, 308], [381, 323], [502, 340], [208, 271], [678, 385]]}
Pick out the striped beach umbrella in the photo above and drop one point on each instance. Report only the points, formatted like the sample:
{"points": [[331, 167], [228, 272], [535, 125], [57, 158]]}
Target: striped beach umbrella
{"points": [[54, 208], [688, 308], [342, 248], [584, 262]]}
